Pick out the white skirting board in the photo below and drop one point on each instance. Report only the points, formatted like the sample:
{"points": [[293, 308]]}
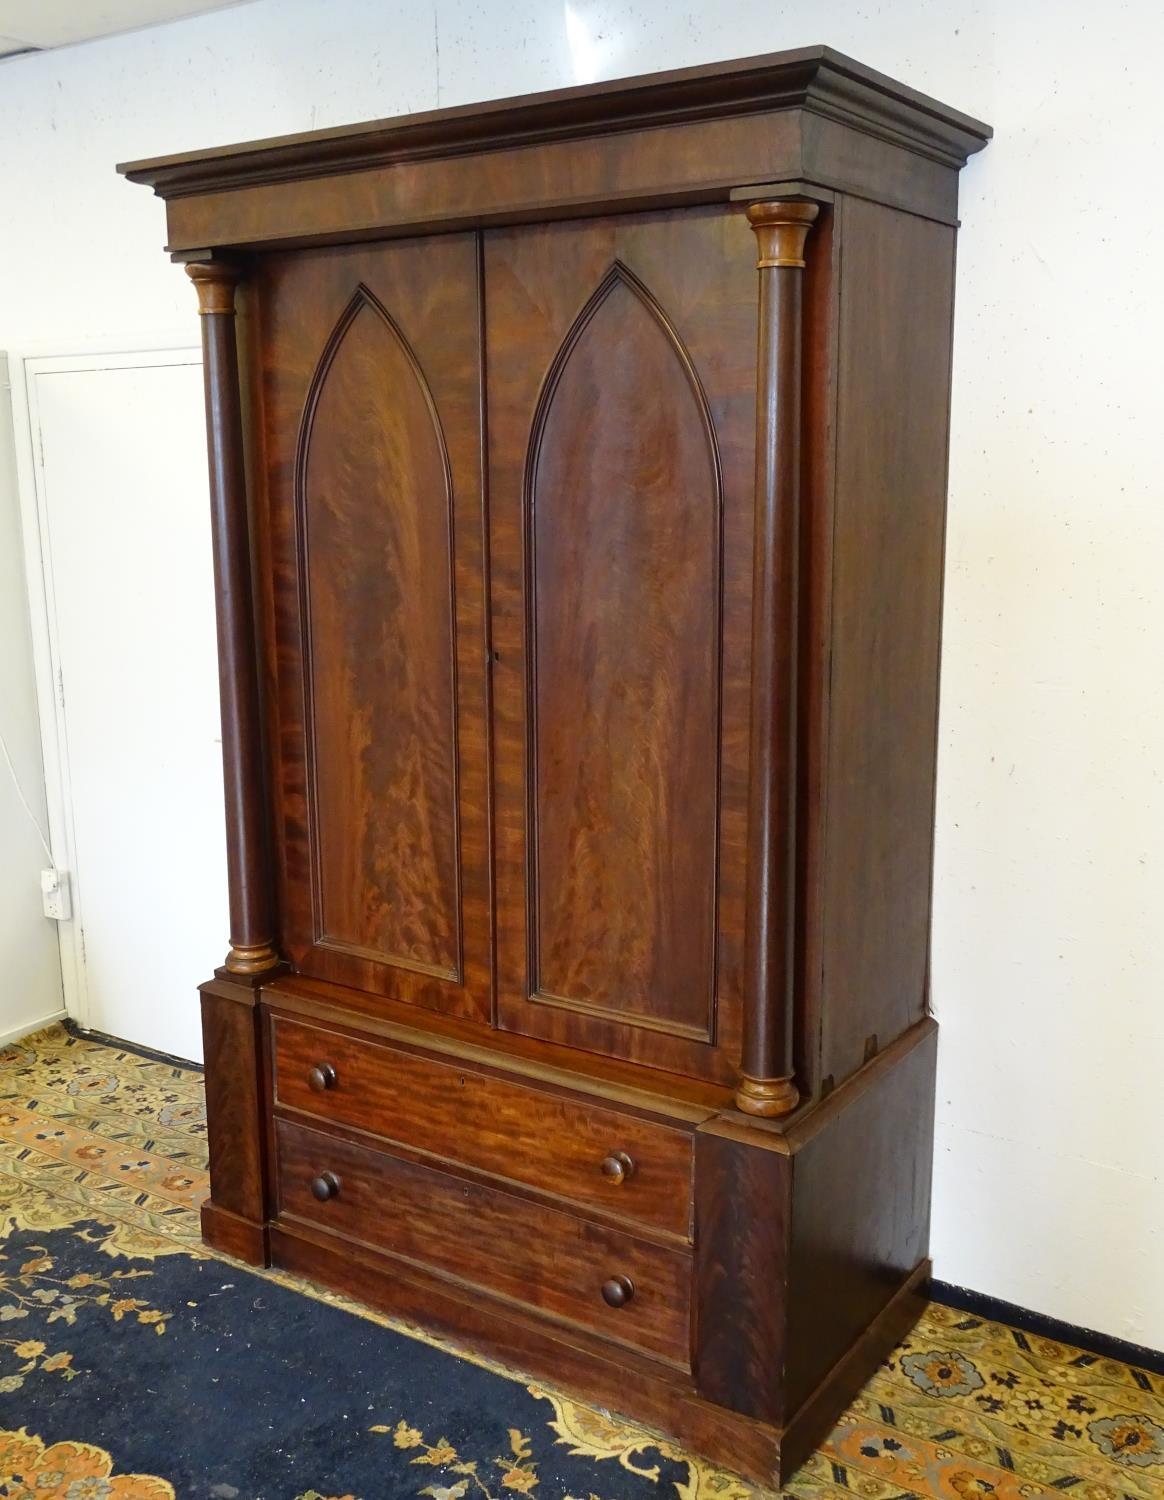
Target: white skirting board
{"points": [[14, 1033]]}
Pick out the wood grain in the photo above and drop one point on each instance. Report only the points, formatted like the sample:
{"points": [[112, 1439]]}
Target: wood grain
{"points": [[686, 136], [773, 915], [629, 825], [816, 1415], [242, 1239], [462, 1114], [248, 833], [624, 582], [743, 1208], [375, 506], [821, 281], [856, 95], [667, 1096], [533, 1254], [860, 1212], [893, 388], [371, 411], [500, 505], [614, 1376], [235, 1113]]}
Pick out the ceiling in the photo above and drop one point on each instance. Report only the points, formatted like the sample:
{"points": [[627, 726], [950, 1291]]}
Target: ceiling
{"points": [[31, 25]]}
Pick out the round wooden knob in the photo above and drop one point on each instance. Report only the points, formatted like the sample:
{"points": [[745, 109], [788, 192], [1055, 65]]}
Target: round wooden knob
{"points": [[617, 1167], [618, 1291], [325, 1186], [322, 1077]]}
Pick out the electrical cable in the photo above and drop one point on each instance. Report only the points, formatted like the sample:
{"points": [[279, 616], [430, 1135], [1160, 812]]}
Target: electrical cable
{"points": [[32, 818]]}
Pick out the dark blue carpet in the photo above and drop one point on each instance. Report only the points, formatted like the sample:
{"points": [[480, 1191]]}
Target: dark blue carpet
{"points": [[231, 1387]]}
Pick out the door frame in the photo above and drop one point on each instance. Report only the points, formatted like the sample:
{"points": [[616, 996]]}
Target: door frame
{"points": [[25, 368]]}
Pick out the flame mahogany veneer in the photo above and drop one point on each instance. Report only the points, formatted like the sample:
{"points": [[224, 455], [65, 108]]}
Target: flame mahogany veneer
{"points": [[578, 476]]}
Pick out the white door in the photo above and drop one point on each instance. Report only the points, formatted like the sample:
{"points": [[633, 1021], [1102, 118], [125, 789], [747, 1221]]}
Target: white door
{"points": [[121, 481]]}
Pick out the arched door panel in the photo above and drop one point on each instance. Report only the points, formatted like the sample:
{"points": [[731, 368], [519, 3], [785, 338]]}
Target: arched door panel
{"points": [[372, 406], [620, 357]]}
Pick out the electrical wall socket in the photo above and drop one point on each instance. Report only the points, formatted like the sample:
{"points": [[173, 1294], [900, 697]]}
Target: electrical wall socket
{"points": [[54, 890]]}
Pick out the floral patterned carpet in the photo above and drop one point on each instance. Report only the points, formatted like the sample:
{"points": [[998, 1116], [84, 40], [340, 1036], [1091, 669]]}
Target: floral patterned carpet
{"points": [[134, 1364]]}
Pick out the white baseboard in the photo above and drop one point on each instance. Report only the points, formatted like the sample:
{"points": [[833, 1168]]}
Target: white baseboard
{"points": [[14, 1033]]}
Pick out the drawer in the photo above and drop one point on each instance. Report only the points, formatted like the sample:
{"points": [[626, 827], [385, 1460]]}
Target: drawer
{"points": [[595, 1156], [540, 1257]]}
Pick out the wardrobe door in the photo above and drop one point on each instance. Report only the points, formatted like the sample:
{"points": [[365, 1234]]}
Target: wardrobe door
{"points": [[371, 395], [621, 385]]}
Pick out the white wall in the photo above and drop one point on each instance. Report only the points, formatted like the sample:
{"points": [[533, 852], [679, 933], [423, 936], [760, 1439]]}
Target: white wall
{"points": [[30, 965], [1048, 941]]}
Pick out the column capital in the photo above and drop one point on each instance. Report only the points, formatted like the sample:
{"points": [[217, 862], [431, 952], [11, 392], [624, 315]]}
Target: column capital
{"points": [[214, 281], [781, 226]]}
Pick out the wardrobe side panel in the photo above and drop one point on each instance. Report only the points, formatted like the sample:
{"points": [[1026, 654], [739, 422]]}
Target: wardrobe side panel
{"points": [[893, 392], [860, 1221], [821, 296]]}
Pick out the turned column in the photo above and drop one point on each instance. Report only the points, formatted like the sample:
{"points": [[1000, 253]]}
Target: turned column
{"points": [[252, 949], [767, 1086]]}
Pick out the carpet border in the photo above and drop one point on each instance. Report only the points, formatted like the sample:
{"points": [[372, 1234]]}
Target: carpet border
{"points": [[1042, 1325]]}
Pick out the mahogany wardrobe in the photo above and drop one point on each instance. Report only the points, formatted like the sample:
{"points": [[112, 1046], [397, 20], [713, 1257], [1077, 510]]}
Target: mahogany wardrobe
{"points": [[578, 470]]}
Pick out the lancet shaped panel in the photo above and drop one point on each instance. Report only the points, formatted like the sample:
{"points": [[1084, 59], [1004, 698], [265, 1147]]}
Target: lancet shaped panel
{"points": [[624, 520], [375, 512]]}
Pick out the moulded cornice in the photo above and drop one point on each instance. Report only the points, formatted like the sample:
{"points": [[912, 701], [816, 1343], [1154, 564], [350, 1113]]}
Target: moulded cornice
{"points": [[816, 80]]}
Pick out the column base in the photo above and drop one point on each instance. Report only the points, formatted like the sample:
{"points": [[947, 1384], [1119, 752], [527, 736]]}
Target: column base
{"points": [[767, 1097], [254, 958]]}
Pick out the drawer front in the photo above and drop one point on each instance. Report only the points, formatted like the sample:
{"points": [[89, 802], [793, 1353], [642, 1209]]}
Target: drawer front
{"points": [[594, 1156], [536, 1255]]}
